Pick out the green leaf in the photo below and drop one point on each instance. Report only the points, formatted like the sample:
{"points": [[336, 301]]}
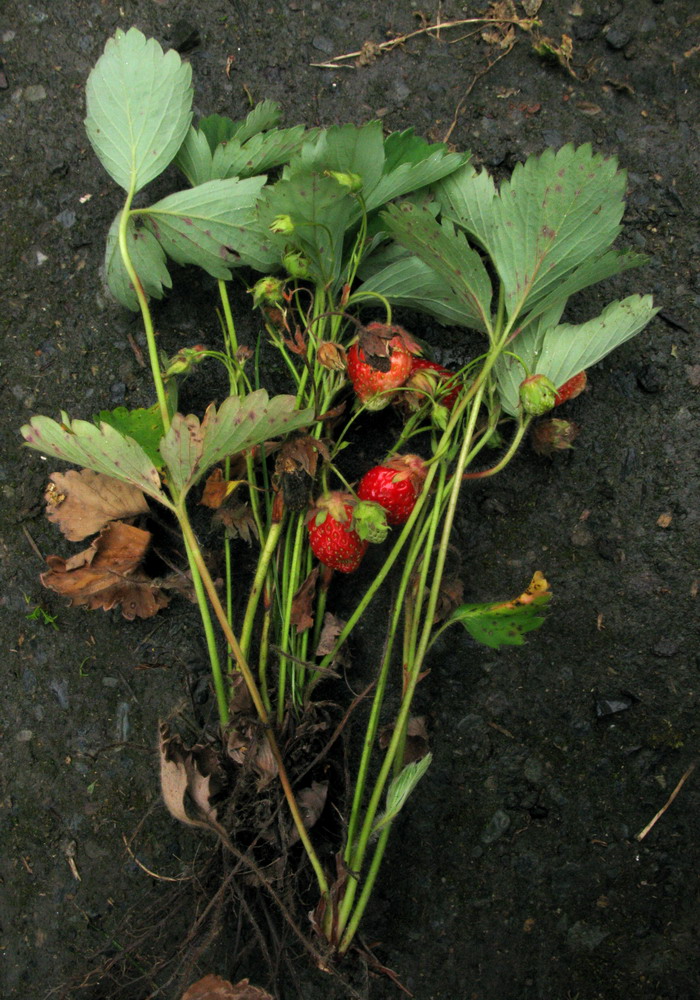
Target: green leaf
{"points": [[264, 116], [558, 212], [241, 422], [194, 158], [145, 426], [347, 149], [400, 788], [411, 163], [218, 129], [447, 252], [560, 352], [321, 211], [138, 108], [505, 624], [209, 225], [147, 257], [102, 449], [411, 283], [467, 198], [257, 155]]}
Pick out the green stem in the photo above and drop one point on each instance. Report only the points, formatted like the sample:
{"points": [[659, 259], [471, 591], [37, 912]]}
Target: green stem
{"points": [[273, 537], [145, 313]]}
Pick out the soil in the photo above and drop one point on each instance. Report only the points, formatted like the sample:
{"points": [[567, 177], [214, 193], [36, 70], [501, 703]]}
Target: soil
{"points": [[516, 872]]}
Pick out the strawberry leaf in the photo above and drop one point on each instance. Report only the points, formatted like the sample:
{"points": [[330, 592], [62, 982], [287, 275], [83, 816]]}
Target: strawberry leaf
{"points": [[409, 282], [191, 447], [467, 199], [139, 103], [447, 252], [194, 157], [259, 154], [505, 624], [147, 257], [559, 213], [145, 426], [560, 352], [411, 163], [209, 225], [102, 449]]}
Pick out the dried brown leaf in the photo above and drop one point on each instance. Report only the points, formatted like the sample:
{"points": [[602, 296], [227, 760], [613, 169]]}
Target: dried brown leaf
{"points": [[417, 740], [217, 489], [108, 574], [82, 502], [332, 627], [186, 777], [215, 988], [303, 603], [238, 522], [311, 802]]}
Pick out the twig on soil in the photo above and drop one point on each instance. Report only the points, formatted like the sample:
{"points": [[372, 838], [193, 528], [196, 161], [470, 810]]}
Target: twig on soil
{"points": [[642, 834], [460, 107], [32, 543], [336, 62], [160, 878]]}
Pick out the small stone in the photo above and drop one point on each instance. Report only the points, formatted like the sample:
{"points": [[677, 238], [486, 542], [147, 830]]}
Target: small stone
{"points": [[110, 682], [323, 44], [24, 736], [617, 38], [66, 218], [35, 92], [496, 827], [584, 937]]}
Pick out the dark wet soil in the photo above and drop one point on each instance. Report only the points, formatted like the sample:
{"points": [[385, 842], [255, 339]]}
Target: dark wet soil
{"points": [[515, 873]]}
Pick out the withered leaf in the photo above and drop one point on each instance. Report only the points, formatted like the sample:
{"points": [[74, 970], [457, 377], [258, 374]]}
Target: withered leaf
{"points": [[332, 627], [417, 740], [217, 489], [215, 988], [82, 502], [303, 603], [108, 574], [301, 452], [311, 802], [238, 522], [185, 779]]}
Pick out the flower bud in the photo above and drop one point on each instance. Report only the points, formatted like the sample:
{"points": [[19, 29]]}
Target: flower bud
{"points": [[550, 436], [537, 395], [296, 264], [353, 182], [282, 224], [268, 290], [185, 358], [332, 356]]}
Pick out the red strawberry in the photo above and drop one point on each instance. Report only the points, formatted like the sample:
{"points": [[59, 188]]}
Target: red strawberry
{"points": [[432, 385], [395, 485], [571, 389], [332, 537], [379, 362]]}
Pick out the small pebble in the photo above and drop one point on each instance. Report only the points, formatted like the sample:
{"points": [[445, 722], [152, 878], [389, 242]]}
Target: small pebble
{"points": [[35, 92]]}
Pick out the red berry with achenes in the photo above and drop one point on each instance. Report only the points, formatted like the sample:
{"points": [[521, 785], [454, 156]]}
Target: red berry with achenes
{"points": [[332, 537], [571, 389], [396, 485], [438, 380], [379, 362]]}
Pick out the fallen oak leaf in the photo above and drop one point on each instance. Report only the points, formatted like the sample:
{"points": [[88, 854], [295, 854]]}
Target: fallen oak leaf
{"points": [[108, 573], [83, 502]]}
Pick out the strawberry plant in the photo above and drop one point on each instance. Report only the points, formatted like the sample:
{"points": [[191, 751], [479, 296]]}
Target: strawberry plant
{"points": [[324, 225]]}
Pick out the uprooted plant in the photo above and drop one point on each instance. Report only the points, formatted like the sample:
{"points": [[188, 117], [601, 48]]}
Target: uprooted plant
{"points": [[337, 221]]}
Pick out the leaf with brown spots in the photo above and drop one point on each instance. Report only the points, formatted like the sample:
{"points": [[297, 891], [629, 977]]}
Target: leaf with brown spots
{"points": [[81, 503], [108, 574]]}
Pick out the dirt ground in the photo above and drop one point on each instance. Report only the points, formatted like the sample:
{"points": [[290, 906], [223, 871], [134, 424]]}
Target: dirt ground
{"points": [[515, 873]]}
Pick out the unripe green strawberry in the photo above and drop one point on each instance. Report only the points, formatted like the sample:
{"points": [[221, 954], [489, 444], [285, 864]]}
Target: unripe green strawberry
{"points": [[396, 485], [537, 394], [571, 388], [428, 378], [380, 362], [332, 536]]}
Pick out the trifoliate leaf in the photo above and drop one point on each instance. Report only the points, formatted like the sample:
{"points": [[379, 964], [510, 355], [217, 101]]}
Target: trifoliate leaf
{"points": [[505, 624], [147, 257], [139, 103], [102, 449]]}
